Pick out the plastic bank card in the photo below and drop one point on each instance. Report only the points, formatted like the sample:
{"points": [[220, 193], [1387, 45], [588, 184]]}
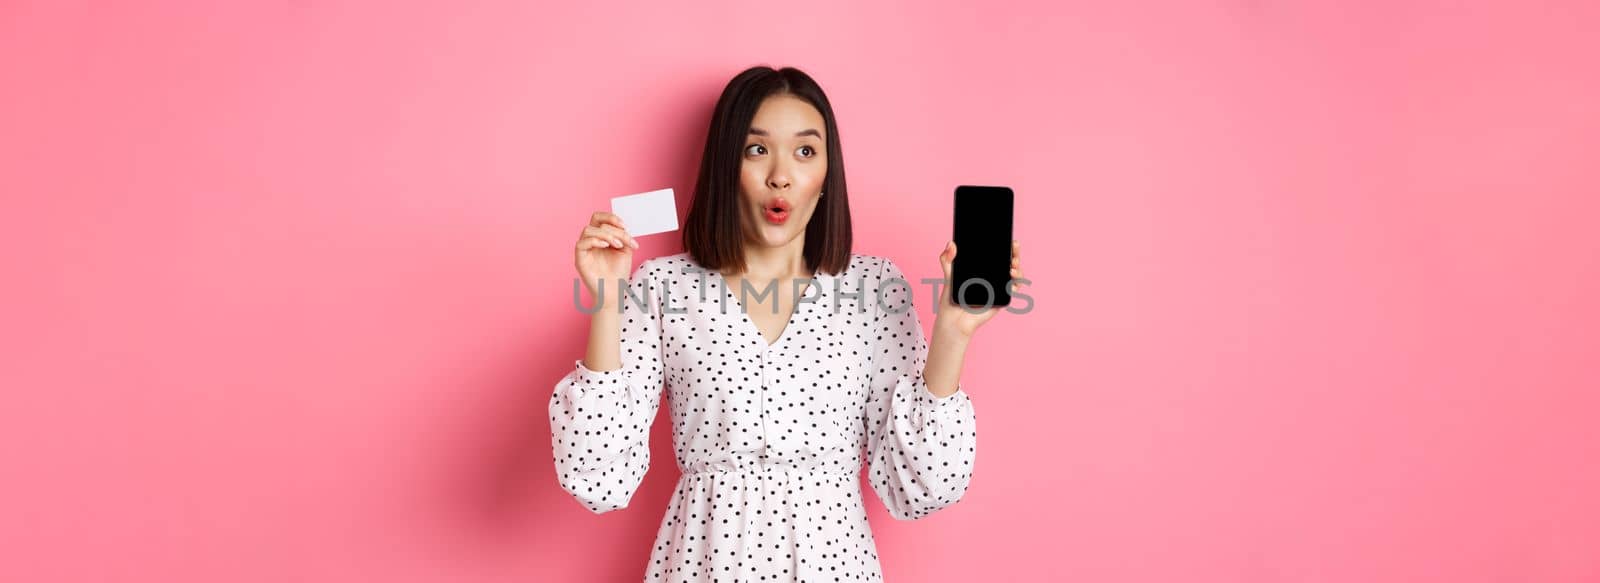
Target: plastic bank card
{"points": [[647, 213]]}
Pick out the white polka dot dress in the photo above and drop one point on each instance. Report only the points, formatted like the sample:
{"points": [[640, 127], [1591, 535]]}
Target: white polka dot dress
{"points": [[770, 439]]}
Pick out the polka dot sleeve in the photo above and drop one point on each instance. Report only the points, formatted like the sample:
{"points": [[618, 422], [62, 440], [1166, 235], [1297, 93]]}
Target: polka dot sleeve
{"points": [[921, 448], [600, 420]]}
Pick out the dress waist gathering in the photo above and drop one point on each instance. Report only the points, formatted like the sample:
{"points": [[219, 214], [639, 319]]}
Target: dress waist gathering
{"points": [[845, 466]]}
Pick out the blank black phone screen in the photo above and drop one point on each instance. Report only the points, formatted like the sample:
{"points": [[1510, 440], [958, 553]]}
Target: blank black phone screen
{"points": [[982, 268]]}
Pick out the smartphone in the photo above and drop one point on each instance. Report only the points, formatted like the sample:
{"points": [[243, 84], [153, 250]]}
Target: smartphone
{"points": [[981, 273]]}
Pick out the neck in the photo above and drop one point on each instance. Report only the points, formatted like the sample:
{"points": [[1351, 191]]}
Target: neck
{"points": [[768, 263]]}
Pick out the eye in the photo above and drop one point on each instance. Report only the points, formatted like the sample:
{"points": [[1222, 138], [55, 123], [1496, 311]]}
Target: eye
{"points": [[810, 151], [759, 149]]}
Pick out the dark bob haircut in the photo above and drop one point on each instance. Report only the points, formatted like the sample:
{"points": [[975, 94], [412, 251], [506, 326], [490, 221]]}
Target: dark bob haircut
{"points": [[713, 233]]}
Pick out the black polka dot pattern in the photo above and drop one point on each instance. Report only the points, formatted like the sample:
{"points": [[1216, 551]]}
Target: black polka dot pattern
{"points": [[770, 439]]}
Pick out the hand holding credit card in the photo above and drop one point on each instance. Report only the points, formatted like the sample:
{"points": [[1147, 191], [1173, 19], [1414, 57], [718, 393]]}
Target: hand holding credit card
{"points": [[647, 213]]}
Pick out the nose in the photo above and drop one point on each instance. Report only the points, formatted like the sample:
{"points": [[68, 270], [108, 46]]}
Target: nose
{"points": [[778, 180]]}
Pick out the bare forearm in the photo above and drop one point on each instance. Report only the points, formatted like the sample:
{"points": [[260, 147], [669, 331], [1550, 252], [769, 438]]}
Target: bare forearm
{"points": [[605, 338], [946, 354]]}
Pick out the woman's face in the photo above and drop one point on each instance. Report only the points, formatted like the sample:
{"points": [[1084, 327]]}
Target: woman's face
{"points": [[783, 169]]}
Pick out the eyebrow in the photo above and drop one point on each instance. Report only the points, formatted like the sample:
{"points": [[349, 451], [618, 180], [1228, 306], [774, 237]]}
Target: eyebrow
{"points": [[805, 132]]}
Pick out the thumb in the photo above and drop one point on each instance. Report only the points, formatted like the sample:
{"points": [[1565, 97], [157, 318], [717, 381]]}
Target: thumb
{"points": [[947, 258]]}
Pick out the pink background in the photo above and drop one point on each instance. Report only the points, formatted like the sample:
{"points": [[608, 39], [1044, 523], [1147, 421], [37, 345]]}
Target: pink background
{"points": [[287, 286]]}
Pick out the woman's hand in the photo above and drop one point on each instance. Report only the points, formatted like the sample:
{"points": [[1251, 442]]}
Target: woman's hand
{"points": [[965, 320], [604, 251]]}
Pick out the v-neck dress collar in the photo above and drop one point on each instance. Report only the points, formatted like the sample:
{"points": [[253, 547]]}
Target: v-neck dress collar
{"points": [[820, 289]]}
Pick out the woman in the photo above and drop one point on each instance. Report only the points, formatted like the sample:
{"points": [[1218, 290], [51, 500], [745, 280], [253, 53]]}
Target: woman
{"points": [[771, 403]]}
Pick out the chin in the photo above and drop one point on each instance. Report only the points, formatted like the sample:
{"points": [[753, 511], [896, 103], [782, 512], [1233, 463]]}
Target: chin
{"points": [[775, 236], [776, 239]]}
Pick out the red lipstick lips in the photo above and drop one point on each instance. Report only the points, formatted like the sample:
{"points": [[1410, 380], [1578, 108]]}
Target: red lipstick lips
{"points": [[776, 211]]}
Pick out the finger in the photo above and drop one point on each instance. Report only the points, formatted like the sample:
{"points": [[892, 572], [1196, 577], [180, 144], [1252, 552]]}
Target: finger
{"points": [[614, 233], [603, 218], [593, 243], [622, 237], [600, 233]]}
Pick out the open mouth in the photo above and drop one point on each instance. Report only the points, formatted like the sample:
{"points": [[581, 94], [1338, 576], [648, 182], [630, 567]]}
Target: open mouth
{"points": [[777, 211]]}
